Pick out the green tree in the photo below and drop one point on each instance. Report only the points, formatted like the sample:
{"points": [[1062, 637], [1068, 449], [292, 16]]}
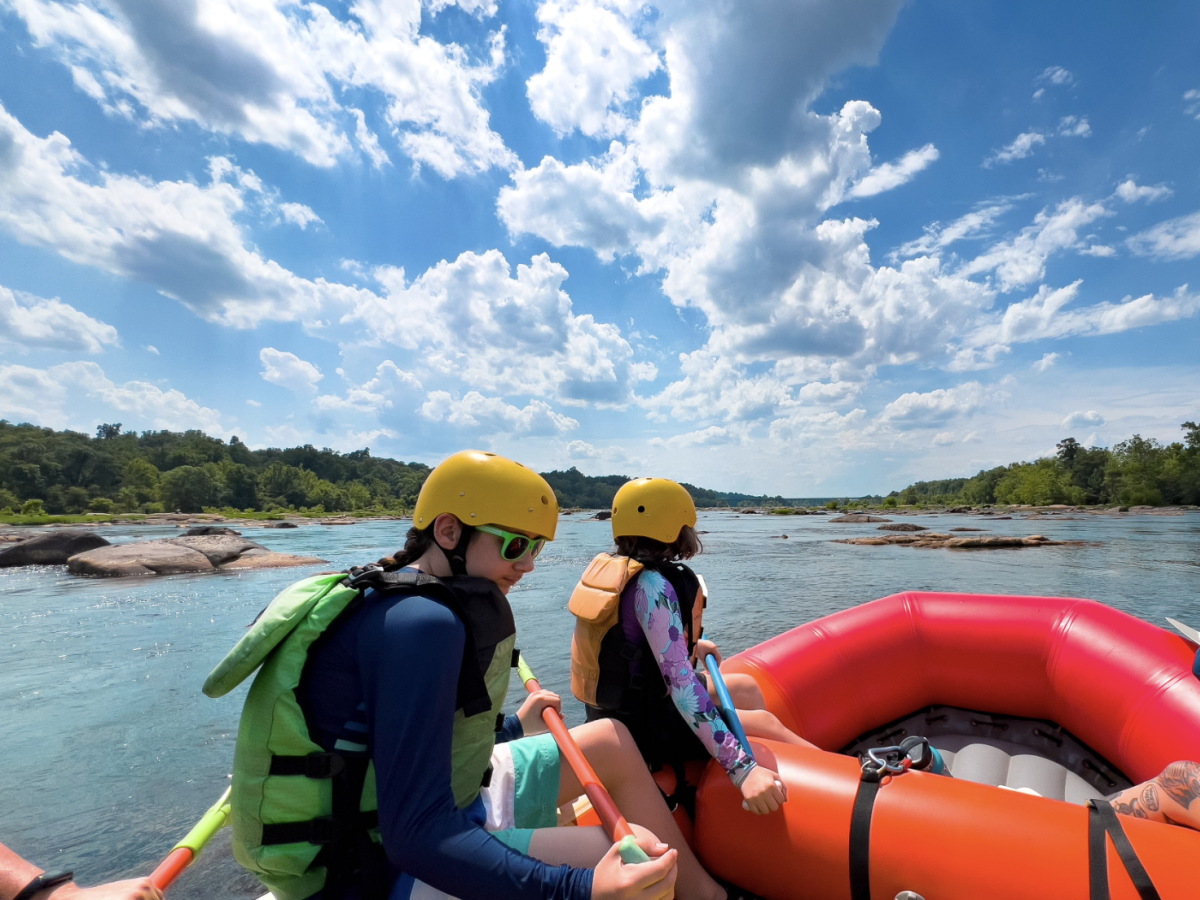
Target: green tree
{"points": [[33, 508], [285, 485], [108, 432], [188, 489], [1133, 470], [139, 483], [241, 486], [76, 499], [1038, 483]]}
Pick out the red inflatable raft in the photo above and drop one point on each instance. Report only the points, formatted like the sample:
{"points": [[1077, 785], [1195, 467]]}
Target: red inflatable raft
{"points": [[1067, 698]]}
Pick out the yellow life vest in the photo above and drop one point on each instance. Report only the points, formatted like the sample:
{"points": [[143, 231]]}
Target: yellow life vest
{"points": [[596, 604]]}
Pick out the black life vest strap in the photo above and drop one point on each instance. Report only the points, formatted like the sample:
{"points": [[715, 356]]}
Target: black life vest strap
{"points": [[1102, 821], [860, 835]]}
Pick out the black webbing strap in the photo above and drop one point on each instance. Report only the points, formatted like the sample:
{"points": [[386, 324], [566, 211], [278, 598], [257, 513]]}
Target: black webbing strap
{"points": [[314, 765], [1102, 820], [860, 836], [314, 831]]}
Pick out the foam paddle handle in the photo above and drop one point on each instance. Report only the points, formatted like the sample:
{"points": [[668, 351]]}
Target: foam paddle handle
{"points": [[186, 851], [610, 817], [726, 703]]}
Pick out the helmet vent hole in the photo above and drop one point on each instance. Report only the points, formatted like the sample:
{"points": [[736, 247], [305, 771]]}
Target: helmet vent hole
{"points": [[641, 509], [545, 502]]}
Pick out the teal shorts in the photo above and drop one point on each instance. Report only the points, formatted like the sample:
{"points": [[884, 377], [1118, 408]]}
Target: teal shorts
{"points": [[523, 793]]}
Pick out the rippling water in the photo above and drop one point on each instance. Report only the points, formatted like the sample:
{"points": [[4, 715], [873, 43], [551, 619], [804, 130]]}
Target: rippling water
{"points": [[110, 751]]}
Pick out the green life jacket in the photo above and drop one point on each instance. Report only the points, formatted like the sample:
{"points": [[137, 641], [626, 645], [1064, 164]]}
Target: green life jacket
{"points": [[292, 801]]}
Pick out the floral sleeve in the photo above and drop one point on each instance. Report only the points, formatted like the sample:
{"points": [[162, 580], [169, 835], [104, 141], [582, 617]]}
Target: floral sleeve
{"points": [[657, 610]]}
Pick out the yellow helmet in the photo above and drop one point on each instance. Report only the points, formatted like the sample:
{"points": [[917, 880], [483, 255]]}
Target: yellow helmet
{"points": [[482, 488], [656, 508]]}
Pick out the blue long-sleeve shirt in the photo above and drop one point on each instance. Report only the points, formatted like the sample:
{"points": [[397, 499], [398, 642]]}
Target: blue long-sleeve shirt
{"points": [[384, 680]]}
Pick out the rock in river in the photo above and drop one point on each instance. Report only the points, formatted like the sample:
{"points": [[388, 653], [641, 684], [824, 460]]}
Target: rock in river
{"points": [[176, 556], [52, 548], [854, 518], [903, 526]]}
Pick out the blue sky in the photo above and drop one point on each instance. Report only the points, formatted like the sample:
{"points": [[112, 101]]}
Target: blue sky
{"points": [[809, 247]]}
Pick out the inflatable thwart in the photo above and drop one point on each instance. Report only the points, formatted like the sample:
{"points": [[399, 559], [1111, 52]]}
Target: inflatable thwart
{"points": [[1059, 700]]}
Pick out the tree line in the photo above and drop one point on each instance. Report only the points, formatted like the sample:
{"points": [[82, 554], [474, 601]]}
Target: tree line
{"points": [[57, 472], [1136, 472]]}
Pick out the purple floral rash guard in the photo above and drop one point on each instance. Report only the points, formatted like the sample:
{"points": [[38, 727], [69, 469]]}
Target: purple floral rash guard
{"points": [[655, 614]]}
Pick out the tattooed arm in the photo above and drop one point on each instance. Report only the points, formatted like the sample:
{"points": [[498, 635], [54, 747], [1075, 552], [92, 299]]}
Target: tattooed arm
{"points": [[1170, 797]]}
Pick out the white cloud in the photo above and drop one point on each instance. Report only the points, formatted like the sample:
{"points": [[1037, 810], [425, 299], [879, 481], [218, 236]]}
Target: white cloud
{"points": [[390, 385], [926, 410], [1046, 362], [713, 436], [583, 450], [1173, 239], [975, 224], [273, 73], [1130, 191], [368, 141], [289, 371], [255, 403], [1071, 126], [1191, 101], [1021, 147], [298, 214], [178, 236], [79, 394], [593, 60], [492, 415], [513, 335], [892, 175], [28, 322], [150, 348], [1056, 76], [1022, 260], [1080, 419]]}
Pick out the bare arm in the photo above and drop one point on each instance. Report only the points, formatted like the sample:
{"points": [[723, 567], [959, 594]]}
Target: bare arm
{"points": [[16, 872]]}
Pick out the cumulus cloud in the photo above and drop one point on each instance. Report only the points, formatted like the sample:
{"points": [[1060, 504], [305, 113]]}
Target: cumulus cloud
{"points": [[933, 408], [492, 415], [1021, 147], [892, 175], [1022, 259], [594, 57], [390, 386], [583, 450], [289, 371], [1046, 362], [178, 236], [1080, 419], [29, 322], [369, 141], [974, 225], [273, 73], [1131, 192], [519, 335], [1072, 126], [1173, 239], [79, 394], [298, 214]]}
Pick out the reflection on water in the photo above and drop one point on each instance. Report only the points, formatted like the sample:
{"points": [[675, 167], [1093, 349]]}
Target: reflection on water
{"points": [[110, 750]]}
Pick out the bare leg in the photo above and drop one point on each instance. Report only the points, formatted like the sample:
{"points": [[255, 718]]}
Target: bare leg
{"points": [[748, 700], [1169, 797], [612, 752]]}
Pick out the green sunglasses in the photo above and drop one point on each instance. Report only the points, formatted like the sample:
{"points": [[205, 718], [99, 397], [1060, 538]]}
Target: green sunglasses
{"points": [[516, 546]]}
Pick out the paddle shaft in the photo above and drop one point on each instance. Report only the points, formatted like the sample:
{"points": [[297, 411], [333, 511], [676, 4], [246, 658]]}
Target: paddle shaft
{"points": [[610, 817], [728, 712], [186, 851]]}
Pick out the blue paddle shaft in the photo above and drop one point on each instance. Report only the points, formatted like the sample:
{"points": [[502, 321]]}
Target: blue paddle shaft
{"points": [[1196, 665], [726, 702]]}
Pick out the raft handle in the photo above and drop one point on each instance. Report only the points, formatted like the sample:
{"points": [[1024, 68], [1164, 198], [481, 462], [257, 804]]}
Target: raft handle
{"points": [[1057, 741]]}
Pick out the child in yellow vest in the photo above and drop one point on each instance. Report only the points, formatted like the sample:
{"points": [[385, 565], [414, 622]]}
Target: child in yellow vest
{"points": [[638, 634]]}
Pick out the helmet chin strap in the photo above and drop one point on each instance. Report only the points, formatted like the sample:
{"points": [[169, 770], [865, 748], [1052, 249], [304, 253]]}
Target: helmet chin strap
{"points": [[457, 558]]}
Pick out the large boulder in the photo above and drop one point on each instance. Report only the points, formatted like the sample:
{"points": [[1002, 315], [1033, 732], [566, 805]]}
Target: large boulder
{"points": [[268, 559], [183, 555], [52, 548], [219, 548], [140, 558]]}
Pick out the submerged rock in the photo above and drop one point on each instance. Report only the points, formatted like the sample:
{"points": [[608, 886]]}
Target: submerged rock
{"points": [[281, 525], [52, 548], [182, 555], [947, 542], [903, 526], [197, 530], [855, 518]]}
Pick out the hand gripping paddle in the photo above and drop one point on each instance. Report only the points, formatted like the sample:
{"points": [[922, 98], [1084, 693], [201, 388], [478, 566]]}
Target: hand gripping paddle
{"points": [[610, 817]]}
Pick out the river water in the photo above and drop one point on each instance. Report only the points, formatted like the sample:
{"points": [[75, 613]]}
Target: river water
{"points": [[110, 751]]}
